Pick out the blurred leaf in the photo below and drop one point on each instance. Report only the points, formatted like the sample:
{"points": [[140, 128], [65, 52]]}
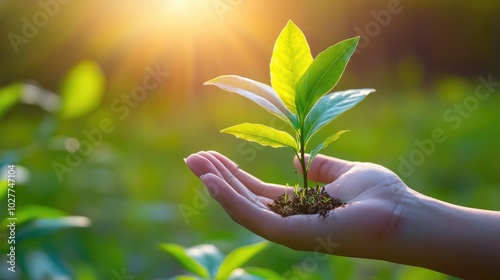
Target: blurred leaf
{"points": [[44, 226], [238, 257], [330, 106], [290, 59], [84, 271], [3, 188], [323, 145], [208, 255], [416, 273], [82, 90], [242, 274], [342, 267], [41, 266], [186, 277], [187, 261], [264, 135], [262, 273], [323, 74], [9, 96], [260, 93], [33, 211]]}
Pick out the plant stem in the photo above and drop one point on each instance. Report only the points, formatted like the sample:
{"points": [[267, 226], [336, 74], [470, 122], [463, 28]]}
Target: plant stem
{"points": [[302, 160]]}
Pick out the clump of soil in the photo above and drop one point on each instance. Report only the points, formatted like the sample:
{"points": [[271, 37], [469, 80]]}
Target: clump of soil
{"points": [[309, 201]]}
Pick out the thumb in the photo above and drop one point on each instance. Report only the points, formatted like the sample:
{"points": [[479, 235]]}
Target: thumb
{"points": [[323, 168], [297, 163]]}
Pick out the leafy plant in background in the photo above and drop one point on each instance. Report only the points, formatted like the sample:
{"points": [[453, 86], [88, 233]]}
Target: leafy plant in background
{"points": [[299, 94], [207, 262], [81, 92]]}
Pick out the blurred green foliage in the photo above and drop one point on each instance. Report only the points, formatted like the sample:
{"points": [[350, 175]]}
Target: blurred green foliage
{"points": [[206, 261], [137, 192], [120, 159]]}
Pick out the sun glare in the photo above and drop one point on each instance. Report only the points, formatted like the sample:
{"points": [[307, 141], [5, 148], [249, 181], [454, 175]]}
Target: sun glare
{"points": [[179, 5], [187, 11]]}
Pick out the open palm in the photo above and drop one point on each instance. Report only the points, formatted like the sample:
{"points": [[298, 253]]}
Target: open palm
{"points": [[362, 228]]}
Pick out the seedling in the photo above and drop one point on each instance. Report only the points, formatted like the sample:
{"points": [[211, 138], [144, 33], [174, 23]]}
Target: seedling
{"points": [[299, 95]]}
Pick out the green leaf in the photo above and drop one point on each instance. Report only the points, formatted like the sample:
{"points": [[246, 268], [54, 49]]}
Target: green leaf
{"points": [[330, 106], [263, 273], [47, 263], [33, 211], [43, 226], [208, 255], [260, 93], [186, 277], [188, 262], [4, 185], [290, 59], [323, 145], [414, 273], [323, 74], [82, 90], [238, 257], [9, 96], [264, 135]]}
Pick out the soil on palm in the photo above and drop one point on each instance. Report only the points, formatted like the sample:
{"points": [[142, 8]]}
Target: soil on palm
{"points": [[310, 201]]}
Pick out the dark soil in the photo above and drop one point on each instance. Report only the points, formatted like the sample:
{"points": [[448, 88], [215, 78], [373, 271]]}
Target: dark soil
{"points": [[310, 201]]}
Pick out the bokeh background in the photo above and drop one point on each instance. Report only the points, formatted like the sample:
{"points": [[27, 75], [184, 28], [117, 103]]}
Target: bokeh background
{"points": [[126, 77]]}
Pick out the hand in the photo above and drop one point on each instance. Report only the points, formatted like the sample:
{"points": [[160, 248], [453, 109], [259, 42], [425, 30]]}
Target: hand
{"points": [[365, 227], [384, 219]]}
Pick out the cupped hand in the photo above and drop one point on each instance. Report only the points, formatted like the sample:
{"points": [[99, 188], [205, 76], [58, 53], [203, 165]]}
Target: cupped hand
{"points": [[365, 227]]}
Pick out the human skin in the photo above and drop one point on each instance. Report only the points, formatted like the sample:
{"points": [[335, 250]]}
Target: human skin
{"points": [[384, 219]]}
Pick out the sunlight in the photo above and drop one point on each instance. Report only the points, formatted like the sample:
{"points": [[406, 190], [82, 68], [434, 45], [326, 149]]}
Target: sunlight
{"points": [[186, 11], [180, 5]]}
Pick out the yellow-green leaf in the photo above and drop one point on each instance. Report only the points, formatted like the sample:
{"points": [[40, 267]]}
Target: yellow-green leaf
{"points": [[239, 257], [9, 96], [290, 59], [82, 90], [188, 262], [264, 135], [3, 188]]}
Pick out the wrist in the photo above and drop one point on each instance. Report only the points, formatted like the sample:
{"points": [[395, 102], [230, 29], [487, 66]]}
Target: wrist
{"points": [[451, 239]]}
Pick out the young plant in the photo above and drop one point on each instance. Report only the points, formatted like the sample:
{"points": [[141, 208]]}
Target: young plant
{"points": [[299, 94]]}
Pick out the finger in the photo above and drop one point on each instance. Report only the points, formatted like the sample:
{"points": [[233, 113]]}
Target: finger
{"points": [[199, 165], [254, 184], [231, 179], [325, 169], [334, 234], [240, 209], [262, 222]]}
